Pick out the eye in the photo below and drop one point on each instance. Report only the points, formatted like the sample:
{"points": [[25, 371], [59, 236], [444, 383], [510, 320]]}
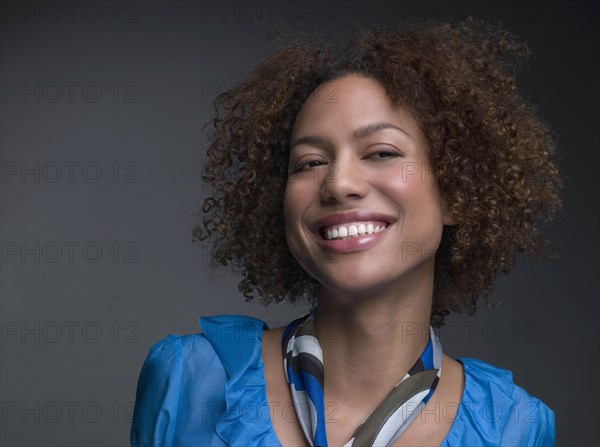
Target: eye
{"points": [[305, 164], [383, 154]]}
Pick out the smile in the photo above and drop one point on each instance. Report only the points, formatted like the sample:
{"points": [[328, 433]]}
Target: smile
{"points": [[352, 242], [352, 229]]}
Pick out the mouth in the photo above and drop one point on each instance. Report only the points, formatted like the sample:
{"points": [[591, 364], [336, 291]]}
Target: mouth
{"points": [[351, 237], [352, 230]]}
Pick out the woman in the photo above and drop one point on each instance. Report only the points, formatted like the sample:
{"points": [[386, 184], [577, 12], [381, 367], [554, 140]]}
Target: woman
{"points": [[385, 182]]}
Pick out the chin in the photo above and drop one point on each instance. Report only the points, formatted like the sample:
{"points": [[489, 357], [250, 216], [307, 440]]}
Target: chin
{"points": [[353, 284]]}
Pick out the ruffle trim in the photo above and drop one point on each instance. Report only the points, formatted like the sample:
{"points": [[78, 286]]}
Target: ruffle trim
{"points": [[237, 340], [486, 405]]}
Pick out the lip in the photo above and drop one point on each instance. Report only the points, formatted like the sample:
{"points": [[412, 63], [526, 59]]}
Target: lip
{"points": [[356, 243]]}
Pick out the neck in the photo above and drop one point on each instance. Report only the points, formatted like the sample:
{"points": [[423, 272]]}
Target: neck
{"points": [[370, 342]]}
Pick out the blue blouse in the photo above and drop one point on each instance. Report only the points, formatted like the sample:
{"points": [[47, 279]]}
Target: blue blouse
{"points": [[209, 389]]}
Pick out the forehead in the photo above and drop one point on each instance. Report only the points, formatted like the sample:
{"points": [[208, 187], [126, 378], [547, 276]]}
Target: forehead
{"points": [[348, 103]]}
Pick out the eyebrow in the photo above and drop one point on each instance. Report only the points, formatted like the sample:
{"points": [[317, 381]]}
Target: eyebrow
{"points": [[361, 132]]}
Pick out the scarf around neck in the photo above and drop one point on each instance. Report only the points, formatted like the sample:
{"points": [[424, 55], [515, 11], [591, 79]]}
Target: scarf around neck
{"points": [[303, 366]]}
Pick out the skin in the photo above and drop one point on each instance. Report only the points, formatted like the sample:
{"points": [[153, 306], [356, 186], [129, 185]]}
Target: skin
{"points": [[374, 305]]}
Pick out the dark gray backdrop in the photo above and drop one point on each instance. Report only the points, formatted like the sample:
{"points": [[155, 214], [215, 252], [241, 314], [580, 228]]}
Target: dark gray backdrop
{"points": [[101, 112]]}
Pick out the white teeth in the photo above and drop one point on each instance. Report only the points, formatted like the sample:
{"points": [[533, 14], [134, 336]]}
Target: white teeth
{"points": [[353, 230]]}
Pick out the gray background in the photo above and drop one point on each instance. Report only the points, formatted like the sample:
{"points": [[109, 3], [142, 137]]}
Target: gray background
{"points": [[101, 114]]}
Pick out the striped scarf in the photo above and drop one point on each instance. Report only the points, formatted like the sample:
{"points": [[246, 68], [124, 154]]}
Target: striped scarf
{"points": [[303, 366]]}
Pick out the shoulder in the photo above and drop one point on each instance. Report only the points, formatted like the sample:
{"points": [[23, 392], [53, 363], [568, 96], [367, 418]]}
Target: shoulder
{"points": [[184, 376], [495, 408], [166, 358], [220, 336], [173, 366], [168, 351]]}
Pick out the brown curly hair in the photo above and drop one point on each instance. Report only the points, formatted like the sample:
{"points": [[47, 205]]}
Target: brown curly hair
{"points": [[492, 155]]}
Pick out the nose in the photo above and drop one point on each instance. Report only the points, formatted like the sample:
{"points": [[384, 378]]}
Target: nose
{"points": [[345, 180]]}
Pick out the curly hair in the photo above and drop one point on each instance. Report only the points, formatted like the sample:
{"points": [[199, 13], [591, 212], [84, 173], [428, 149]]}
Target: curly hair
{"points": [[492, 155]]}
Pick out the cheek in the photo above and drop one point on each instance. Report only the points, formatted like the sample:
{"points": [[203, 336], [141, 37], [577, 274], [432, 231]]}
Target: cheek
{"points": [[413, 186], [398, 187], [417, 200], [295, 201], [289, 202]]}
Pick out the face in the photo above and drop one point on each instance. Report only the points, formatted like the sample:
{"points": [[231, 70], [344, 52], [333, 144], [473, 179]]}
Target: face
{"points": [[358, 160]]}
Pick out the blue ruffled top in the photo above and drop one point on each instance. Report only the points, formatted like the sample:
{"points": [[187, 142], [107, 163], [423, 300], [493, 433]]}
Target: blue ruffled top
{"points": [[209, 389]]}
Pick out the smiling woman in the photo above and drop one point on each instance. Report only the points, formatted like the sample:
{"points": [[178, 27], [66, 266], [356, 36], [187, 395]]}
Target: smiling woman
{"points": [[386, 182]]}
